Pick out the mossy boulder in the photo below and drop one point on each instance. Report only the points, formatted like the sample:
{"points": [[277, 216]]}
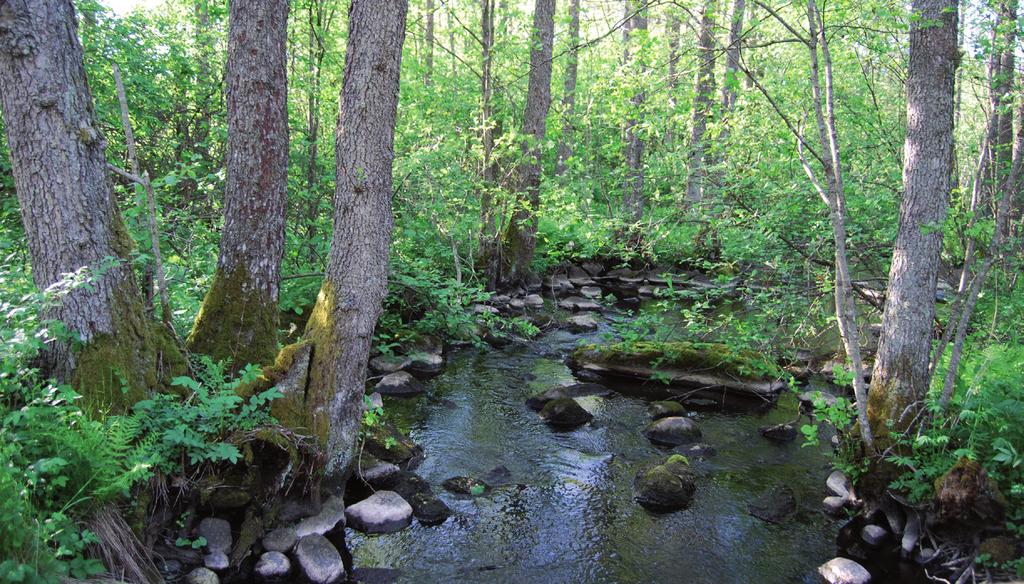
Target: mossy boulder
{"points": [[565, 413], [665, 409], [387, 443], [665, 487], [697, 365], [967, 495], [466, 486]]}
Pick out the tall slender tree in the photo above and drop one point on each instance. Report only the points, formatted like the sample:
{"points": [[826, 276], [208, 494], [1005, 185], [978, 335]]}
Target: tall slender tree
{"points": [[69, 210], [569, 90], [703, 105], [900, 376], [521, 233], [239, 316], [342, 322], [488, 256], [633, 198]]}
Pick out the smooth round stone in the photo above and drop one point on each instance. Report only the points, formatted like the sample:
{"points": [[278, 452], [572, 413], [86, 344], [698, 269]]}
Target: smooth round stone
{"points": [[565, 413], [874, 535], [272, 566], [331, 515], [665, 409], [217, 533], [672, 431], [844, 571], [319, 560], [399, 384], [281, 540], [202, 576], [381, 512], [217, 561]]}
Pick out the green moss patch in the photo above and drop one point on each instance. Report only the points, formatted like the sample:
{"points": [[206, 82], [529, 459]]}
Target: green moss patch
{"points": [[710, 358]]}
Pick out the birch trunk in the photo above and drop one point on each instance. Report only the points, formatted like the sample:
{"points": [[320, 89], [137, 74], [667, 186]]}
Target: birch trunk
{"points": [[633, 199]]}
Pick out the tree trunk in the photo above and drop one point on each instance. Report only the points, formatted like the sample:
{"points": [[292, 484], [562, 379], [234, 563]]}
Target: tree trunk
{"points": [[430, 42], [239, 316], [633, 198], [488, 253], [674, 42], [703, 103], [70, 213], [569, 91], [900, 377], [521, 233], [732, 58], [342, 323]]}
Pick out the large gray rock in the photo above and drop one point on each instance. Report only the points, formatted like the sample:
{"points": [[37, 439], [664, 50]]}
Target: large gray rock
{"points": [[582, 323], [399, 384], [281, 540], [272, 567], [381, 475], [844, 571], [202, 576], [579, 303], [839, 484], [834, 506], [591, 292], [672, 431], [533, 301], [779, 432], [874, 535], [331, 515], [381, 512], [426, 364], [217, 533], [319, 561]]}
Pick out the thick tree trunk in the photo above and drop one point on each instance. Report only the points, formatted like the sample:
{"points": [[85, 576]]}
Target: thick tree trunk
{"points": [[569, 91], [342, 323], [521, 233], [703, 104], [69, 211], [900, 377], [239, 316], [633, 198]]}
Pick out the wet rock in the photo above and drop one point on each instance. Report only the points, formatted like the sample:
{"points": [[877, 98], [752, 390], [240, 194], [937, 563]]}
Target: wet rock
{"points": [[485, 309], [621, 273], [202, 576], [499, 475], [591, 292], [579, 277], [593, 269], [281, 540], [217, 533], [647, 291], [408, 484], [533, 301], [216, 561], [665, 409], [582, 323], [559, 283], [385, 364], [272, 567], [466, 486], [399, 384], [426, 364], [774, 505], [911, 532], [517, 304], [538, 401], [698, 450], [331, 515], [578, 303], [319, 561], [294, 510], [844, 571], [672, 431], [428, 509], [666, 487], [382, 475], [381, 512], [839, 484], [387, 443], [834, 506], [779, 432], [874, 535], [565, 413]]}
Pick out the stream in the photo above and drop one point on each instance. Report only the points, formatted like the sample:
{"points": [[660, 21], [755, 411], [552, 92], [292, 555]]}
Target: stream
{"points": [[562, 507]]}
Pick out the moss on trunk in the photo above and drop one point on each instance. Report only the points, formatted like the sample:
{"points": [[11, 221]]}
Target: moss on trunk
{"points": [[236, 323], [320, 330]]}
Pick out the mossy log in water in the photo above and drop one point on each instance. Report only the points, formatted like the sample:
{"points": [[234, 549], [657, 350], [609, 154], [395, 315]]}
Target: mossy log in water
{"points": [[708, 366]]}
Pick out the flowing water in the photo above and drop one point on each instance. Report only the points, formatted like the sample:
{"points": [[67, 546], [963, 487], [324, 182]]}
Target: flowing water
{"points": [[562, 509]]}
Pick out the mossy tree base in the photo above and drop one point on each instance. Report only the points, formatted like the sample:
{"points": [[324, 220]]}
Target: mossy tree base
{"points": [[236, 323]]}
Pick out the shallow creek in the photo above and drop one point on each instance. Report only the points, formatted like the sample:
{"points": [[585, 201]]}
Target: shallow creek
{"points": [[562, 508]]}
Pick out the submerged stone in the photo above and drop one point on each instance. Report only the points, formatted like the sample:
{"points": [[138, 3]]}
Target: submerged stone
{"points": [[466, 486], [774, 505], [779, 432]]}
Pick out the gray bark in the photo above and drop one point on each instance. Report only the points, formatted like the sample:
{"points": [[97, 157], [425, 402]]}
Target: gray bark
{"points": [[239, 317], [569, 90], [68, 208], [900, 378], [430, 42], [633, 198], [674, 42], [703, 104], [342, 323], [732, 56], [488, 260], [521, 235]]}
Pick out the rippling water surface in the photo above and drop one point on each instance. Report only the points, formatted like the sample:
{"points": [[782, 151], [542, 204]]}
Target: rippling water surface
{"points": [[564, 510]]}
